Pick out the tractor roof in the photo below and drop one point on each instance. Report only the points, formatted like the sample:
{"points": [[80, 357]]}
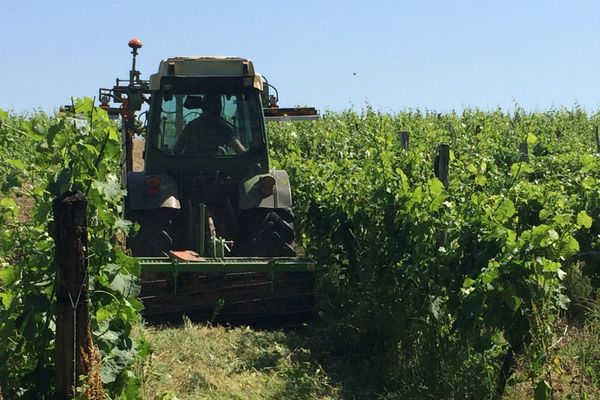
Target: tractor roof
{"points": [[206, 66]]}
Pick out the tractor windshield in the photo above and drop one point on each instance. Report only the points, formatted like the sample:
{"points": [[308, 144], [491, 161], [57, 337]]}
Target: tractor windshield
{"points": [[207, 123]]}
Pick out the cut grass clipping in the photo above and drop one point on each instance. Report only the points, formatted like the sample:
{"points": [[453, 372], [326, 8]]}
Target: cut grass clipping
{"points": [[212, 362]]}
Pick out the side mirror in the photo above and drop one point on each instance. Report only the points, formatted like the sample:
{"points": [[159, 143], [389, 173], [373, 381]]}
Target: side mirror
{"points": [[264, 95]]}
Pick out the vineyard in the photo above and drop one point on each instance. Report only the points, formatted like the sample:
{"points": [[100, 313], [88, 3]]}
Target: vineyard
{"points": [[454, 251], [450, 284]]}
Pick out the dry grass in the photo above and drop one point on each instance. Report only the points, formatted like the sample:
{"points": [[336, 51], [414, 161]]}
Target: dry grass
{"points": [[574, 369], [138, 151], [25, 203], [92, 388], [213, 362]]}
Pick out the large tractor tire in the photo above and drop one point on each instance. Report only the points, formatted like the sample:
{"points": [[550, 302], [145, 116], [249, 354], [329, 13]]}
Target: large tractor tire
{"points": [[154, 237], [268, 233]]}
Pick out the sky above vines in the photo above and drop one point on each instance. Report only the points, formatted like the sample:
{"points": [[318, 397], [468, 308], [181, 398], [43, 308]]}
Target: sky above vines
{"points": [[393, 55]]}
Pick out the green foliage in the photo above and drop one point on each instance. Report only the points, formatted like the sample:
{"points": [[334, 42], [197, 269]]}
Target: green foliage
{"points": [[18, 133], [437, 283], [49, 156], [445, 280]]}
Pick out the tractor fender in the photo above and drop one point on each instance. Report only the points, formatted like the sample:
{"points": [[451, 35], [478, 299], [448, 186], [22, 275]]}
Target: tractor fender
{"points": [[151, 191], [251, 195]]}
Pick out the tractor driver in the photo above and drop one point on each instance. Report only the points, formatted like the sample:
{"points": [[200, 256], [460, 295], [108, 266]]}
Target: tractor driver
{"points": [[209, 132]]}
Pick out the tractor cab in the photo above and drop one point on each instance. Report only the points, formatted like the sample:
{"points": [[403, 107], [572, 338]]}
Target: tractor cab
{"points": [[204, 120]]}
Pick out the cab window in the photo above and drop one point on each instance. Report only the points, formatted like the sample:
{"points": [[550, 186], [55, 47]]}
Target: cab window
{"points": [[186, 120]]}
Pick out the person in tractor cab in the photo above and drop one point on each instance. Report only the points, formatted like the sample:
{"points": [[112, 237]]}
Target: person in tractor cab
{"points": [[209, 133]]}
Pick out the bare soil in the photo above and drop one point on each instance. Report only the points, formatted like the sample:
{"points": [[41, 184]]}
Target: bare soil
{"points": [[138, 154]]}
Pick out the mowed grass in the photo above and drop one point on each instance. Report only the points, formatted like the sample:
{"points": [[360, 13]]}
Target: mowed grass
{"points": [[203, 361], [199, 361]]}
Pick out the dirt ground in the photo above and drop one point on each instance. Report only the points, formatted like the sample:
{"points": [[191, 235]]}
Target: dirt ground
{"points": [[138, 152]]}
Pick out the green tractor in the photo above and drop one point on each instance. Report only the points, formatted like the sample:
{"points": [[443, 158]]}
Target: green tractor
{"points": [[216, 233]]}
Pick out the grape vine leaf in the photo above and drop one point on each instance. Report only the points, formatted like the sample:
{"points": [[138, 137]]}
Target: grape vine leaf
{"points": [[583, 219]]}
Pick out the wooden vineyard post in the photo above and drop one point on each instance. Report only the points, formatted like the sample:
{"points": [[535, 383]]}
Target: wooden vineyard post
{"points": [[404, 138], [523, 152], [442, 161], [72, 315], [597, 139]]}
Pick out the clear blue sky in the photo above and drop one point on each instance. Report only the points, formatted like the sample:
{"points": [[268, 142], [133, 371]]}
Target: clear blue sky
{"points": [[437, 55]]}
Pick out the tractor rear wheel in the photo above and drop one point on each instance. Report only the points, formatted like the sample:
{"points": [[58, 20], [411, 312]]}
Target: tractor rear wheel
{"points": [[154, 238], [267, 232]]}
